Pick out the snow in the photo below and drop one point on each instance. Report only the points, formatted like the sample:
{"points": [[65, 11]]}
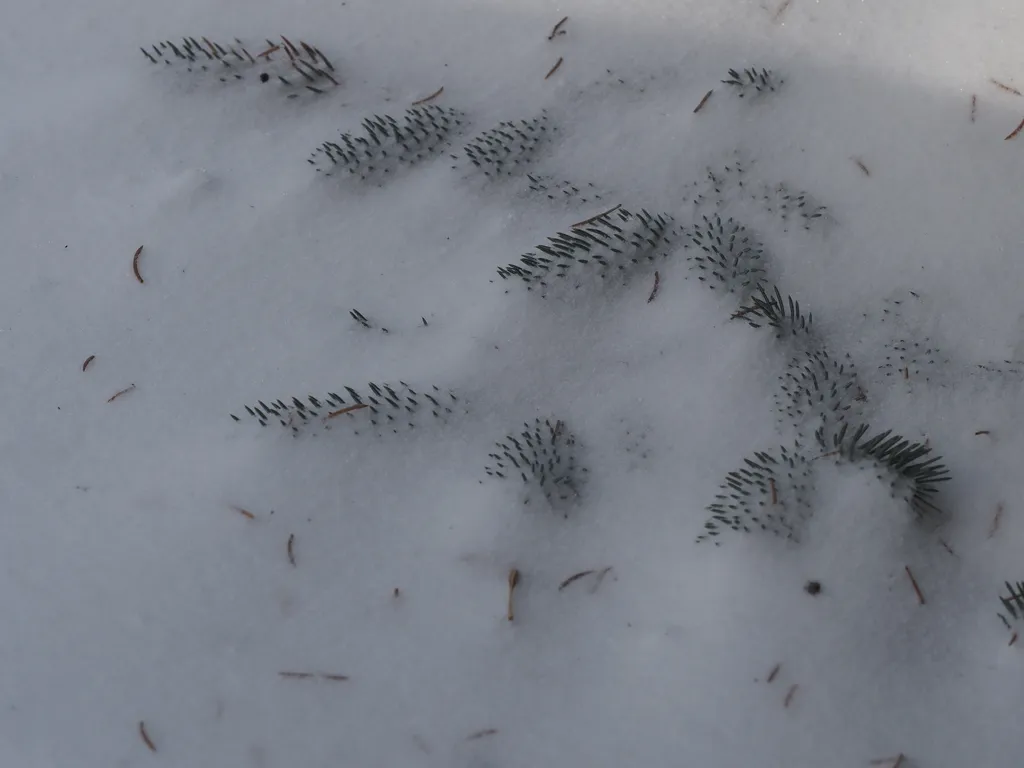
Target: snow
{"points": [[134, 590]]}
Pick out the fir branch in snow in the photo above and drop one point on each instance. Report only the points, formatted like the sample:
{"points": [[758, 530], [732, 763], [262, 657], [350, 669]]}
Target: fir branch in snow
{"points": [[612, 245], [1013, 603], [911, 475], [299, 69], [509, 147], [543, 456], [564, 191], [750, 82], [820, 391], [728, 256], [383, 407], [782, 315], [388, 144], [770, 493]]}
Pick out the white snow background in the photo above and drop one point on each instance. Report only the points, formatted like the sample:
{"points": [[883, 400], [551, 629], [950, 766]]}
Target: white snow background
{"points": [[133, 590]]}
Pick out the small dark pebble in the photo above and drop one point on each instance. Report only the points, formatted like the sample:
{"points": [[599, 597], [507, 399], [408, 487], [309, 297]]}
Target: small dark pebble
{"points": [[264, 77], [812, 587]]}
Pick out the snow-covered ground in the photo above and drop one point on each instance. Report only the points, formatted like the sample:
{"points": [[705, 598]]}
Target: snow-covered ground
{"points": [[163, 564]]}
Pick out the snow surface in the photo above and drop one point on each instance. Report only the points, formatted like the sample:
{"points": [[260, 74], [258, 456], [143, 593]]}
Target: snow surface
{"points": [[134, 590]]}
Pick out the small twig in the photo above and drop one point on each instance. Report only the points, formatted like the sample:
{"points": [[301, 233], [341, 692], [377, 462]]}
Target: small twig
{"points": [[782, 9], [556, 30], [1015, 131], [974, 106], [145, 737], [790, 694], [244, 512], [291, 548], [1004, 87], [860, 164], [574, 577], [775, 493], [334, 678], [135, 264], [513, 580], [554, 68], [88, 360], [350, 408], [1013, 639], [983, 432], [906, 372], [431, 97], [703, 101], [654, 290], [296, 675], [485, 731], [996, 520], [309, 675], [595, 218], [774, 673], [913, 581], [116, 395], [267, 52]]}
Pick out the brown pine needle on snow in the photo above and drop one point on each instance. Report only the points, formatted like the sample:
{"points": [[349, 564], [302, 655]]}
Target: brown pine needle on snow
{"points": [[595, 218], [703, 101], [554, 68], [116, 395], [1015, 131], [145, 737], [860, 164], [291, 549], [351, 408], [244, 512], [1004, 87], [654, 290], [513, 581], [135, 264], [574, 577], [790, 694], [431, 97], [558, 28], [481, 734], [774, 673], [88, 360], [913, 582]]}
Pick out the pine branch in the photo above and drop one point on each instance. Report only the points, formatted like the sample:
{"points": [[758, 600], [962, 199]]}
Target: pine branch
{"points": [[544, 457], [306, 70], [384, 407], [509, 147], [612, 247], [820, 391], [771, 310], [770, 493], [913, 477], [387, 144], [729, 257]]}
